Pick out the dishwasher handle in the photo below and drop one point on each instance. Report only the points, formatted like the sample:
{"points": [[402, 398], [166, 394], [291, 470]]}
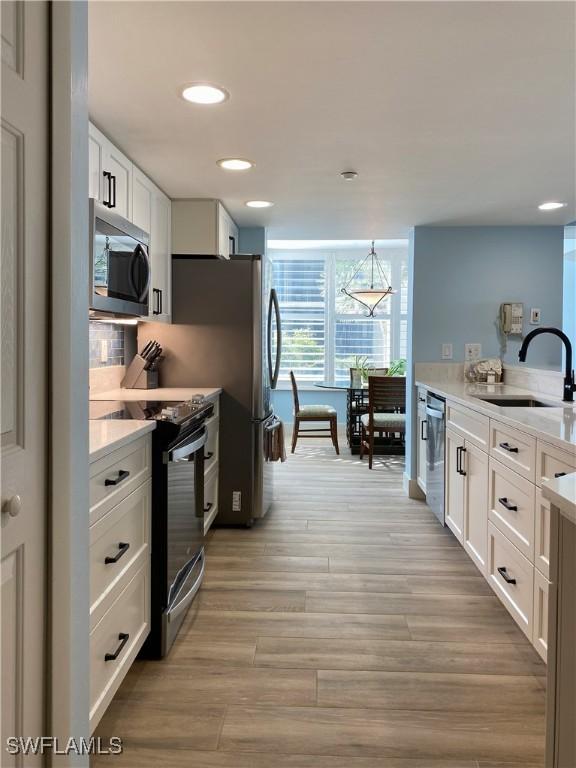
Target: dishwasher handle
{"points": [[434, 412]]}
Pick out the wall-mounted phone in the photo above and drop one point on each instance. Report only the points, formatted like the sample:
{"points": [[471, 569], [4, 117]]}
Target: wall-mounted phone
{"points": [[512, 318]]}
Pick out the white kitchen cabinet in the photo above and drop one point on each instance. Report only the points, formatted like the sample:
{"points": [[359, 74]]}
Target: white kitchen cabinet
{"points": [[142, 194], [475, 465], [203, 227], [161, 258], [110, 174], [454, 485], [119, 567], [421, 457]]}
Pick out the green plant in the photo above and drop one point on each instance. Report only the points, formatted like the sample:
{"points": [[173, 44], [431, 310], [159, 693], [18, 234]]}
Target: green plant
{"points": [[361, 364], [397, 367]]}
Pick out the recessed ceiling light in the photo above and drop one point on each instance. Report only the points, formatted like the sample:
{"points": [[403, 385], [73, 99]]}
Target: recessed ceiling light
{"points": [[204, 93], [551, 206], [259, 204], [235, 164], [349, 175]]}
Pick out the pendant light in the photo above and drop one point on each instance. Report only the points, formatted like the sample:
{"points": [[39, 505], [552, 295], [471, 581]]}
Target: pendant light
{"points": [[379, 287]]}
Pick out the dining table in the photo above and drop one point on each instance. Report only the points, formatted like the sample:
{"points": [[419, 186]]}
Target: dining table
{"points": [[356, 406]]}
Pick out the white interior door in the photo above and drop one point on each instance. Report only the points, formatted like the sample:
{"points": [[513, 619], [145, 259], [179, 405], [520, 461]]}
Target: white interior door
{"points": [[24, 376]]}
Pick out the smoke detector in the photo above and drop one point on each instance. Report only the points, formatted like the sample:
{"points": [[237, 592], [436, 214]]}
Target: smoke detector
{"points": [[349, 175]]}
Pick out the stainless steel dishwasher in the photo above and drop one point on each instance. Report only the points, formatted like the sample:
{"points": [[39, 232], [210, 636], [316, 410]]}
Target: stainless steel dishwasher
{"points": [[435, 433]]}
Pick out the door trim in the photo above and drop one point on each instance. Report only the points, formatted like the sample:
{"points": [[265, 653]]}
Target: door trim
{"points": [[69, 616]]}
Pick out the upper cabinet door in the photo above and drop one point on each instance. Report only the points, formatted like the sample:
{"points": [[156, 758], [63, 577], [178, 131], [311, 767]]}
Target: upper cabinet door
{"points": [[161, 258], [110, 174], [142, 195], [119, 182]]}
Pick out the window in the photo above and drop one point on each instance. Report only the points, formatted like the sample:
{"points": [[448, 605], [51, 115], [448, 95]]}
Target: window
{"points": [[323, 329]]}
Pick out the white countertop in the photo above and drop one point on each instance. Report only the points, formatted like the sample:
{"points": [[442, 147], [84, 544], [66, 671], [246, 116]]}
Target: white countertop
{"points": [[161, 393], [556, 426], [108, 434], [562, 494]]}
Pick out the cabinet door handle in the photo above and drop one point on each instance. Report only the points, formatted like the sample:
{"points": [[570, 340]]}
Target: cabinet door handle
{"points": [[123, 637], [505, 503], [161, 301], [422, 435], [123, 547], [509, 448], [108, 176], [156, 310], [208, 456], [504, 573], [113, 179], [560, 474], [460, 451], [122, 475], [208, 507]]}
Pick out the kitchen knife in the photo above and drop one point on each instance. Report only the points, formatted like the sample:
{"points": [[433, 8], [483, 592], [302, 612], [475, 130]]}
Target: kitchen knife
{"points": [[147, 348]]}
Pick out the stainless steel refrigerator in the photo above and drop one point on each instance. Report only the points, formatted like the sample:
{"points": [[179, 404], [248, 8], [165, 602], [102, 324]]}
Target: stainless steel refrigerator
{"points": [[226, 333]]}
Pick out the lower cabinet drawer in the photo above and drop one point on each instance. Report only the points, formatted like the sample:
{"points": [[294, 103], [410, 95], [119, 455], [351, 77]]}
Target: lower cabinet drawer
{"points": [[553, 462], [116, 640], [117, 474], [117, 541], [540, 634], [511, 576], [511, 507], [210, 497]]}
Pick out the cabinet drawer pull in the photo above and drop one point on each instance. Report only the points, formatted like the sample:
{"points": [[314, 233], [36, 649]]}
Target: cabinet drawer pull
{"points": [[504, 573], [123, 547], [208, 507], [208, 455], [509, 448], [123, 637], [122, 475], [505, 503], [560, 474]]}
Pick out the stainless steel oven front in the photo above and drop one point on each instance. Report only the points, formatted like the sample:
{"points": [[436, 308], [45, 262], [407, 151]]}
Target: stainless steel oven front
{"points": [[184, 531], [119, 264]]}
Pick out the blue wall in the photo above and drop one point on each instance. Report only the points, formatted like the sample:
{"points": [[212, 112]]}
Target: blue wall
{"points": [[284, 404], [569, 296], [458, 276], [462, 274], [252, 240]]}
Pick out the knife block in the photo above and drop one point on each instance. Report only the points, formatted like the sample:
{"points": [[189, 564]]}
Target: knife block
{"points": [[137, 377]]}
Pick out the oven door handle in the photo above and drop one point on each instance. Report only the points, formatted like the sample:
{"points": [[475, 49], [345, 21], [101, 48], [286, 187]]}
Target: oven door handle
{"points": [[182, 452]]}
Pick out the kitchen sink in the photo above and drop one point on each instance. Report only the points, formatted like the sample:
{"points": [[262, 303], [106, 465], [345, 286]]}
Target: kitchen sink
{"points": [[518, 402]]}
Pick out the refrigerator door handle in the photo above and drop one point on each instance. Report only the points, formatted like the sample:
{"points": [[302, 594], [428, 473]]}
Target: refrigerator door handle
{"points": [[274, 305]]}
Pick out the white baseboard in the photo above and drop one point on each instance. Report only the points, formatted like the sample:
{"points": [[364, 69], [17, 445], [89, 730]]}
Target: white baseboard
{"points": [[412, 489]]}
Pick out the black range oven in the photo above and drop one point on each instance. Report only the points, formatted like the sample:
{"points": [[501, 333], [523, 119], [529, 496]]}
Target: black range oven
{"points": [[177, 552]]}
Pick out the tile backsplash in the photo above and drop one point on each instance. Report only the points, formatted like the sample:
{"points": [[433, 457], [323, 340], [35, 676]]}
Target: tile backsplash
{"points": [[114, 336]]}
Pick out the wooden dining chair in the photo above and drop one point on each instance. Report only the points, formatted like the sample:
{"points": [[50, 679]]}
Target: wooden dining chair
{"points": [[308, 413], [386, 411]]}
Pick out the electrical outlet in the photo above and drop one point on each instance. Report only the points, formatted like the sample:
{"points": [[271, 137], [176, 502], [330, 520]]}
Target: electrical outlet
{"points": [[472, 352], [447, 351], [534, 316], [236, 501], [104, 351]]}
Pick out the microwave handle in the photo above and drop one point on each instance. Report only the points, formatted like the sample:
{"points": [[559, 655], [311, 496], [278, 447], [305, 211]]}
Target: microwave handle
{"points": [[140, 253]]}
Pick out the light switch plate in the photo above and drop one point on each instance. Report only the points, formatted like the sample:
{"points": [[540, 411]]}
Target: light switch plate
{"points": [[472, 352], [535, 316], [447, 351]]}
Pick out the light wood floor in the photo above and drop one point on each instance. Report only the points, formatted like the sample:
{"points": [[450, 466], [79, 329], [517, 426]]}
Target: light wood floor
{"points": [[346, 630]]}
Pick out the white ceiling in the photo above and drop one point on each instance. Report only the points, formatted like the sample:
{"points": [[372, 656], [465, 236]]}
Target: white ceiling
{"points": [[451, 112]]}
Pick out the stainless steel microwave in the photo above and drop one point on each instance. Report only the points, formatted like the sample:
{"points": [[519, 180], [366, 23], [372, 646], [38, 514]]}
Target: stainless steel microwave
{"points": [[119, 265]]}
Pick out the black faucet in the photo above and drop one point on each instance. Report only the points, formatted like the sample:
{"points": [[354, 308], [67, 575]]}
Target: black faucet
{"points": [[569, 385]]}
